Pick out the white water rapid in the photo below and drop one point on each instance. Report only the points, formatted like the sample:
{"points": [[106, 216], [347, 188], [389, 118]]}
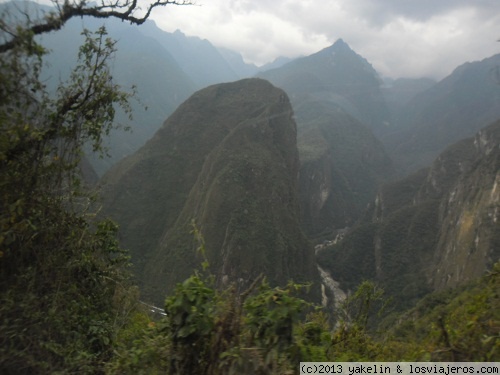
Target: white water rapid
{"points": [[333, 286]]}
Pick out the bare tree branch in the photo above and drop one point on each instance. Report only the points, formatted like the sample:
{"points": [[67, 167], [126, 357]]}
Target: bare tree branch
{"points": [[123, 10]]}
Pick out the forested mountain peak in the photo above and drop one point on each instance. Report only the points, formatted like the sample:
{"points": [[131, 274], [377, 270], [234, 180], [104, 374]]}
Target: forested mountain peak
{"points": [[227, 159]]}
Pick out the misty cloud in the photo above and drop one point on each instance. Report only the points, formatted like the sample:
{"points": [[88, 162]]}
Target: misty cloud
{"points": [[400, 38], [380, 12]]}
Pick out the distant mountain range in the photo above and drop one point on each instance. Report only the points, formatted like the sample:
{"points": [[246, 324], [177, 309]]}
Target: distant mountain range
{"points": [[412, 117], [165, 67]]}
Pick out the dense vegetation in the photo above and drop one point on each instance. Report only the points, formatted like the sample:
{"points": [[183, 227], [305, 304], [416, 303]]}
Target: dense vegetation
{"points": [[269, 331], [63, 277]]}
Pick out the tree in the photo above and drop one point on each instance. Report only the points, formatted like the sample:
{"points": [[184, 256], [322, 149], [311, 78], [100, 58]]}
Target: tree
{"points": [[209, 331], [63, 277], [64, 10]]}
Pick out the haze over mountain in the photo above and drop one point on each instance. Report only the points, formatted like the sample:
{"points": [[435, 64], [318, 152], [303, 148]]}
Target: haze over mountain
{"points": [[170, 66], [227, 159], [399, 92], [400, 38], [198, 58], [454, 108], [165, 68]]}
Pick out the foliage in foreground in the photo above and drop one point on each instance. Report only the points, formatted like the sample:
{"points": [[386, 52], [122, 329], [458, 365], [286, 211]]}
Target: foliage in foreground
{"points": [[207, 331], [63, 283], [265, 330], [454, 325]]}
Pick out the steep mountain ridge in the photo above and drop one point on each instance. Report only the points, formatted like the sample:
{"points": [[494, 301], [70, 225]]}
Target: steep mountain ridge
{"points": [[339, 75], [435, 229], [227, 159], [469, 238]]}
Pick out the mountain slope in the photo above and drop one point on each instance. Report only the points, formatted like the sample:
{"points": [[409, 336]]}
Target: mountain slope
{"points": [[164, 67], [435, 229], [227, 159], [237, 64]]}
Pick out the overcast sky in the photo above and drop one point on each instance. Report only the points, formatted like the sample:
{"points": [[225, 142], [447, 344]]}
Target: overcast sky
{"points": [[400, 38]]}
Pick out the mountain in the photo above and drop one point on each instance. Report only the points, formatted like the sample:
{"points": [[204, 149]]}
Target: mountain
{"points": [[165, 68], [342, 167], [435, 229], [338, 106], [237, 64], [226, 158], [454, 108], [339, 75], [276, 63], [198, 58]]}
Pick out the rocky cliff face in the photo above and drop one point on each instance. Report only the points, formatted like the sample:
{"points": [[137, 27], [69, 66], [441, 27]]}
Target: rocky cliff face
{"points": [[469, 212], [226, 159], [435, 229]]}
